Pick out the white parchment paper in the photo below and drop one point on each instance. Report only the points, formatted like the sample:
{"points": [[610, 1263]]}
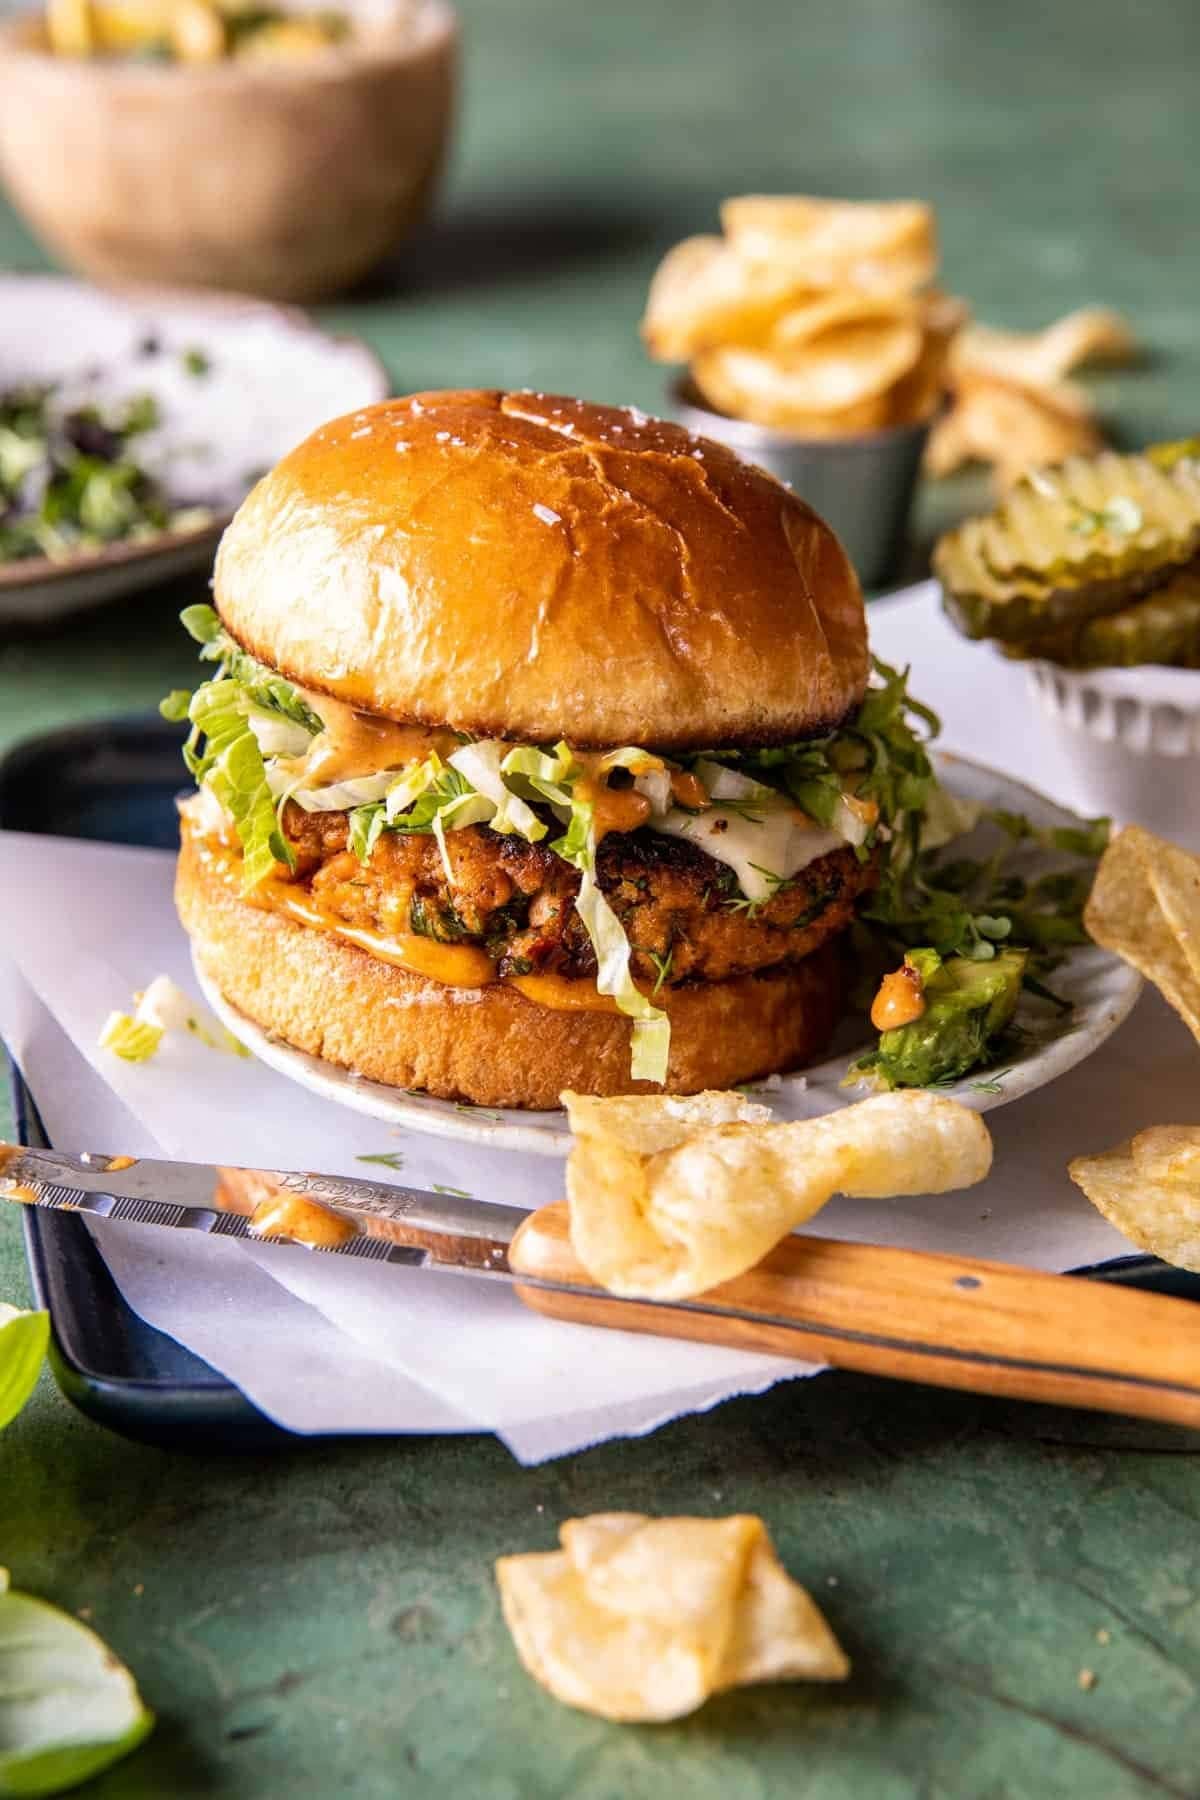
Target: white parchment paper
{"points": [[325, 1345]]}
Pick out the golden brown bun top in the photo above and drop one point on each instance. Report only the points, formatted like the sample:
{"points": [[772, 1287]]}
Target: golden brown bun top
{"points": [[531, 567]]}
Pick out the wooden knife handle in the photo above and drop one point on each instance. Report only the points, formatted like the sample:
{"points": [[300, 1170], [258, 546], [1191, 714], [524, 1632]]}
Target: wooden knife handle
{"points": [[946, 1320]]}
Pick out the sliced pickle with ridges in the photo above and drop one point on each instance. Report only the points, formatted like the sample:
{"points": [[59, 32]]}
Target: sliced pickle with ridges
{"points": [[1072, 543], [1163, 628], [1095, 515], [1025, 613]]}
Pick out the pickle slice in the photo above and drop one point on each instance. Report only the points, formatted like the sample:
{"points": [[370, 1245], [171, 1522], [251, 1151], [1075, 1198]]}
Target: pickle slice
{"points": [[1023, 610], [1072, 543], [1163, 628], [1102, 515], [1165, 456]]}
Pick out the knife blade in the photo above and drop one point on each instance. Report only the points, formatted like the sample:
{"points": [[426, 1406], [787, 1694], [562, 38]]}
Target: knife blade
{"points": [[948, 1321], [341, 1215]]}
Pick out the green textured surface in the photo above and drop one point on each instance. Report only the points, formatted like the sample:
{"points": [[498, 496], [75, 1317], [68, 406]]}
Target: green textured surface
{"points": [[324, 1622]]}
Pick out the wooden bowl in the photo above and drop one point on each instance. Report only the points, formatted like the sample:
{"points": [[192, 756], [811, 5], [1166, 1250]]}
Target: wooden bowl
{"points": [[288, 179]]}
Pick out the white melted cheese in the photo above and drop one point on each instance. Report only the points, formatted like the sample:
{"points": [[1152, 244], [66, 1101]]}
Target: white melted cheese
{"points": [[763, 848]]}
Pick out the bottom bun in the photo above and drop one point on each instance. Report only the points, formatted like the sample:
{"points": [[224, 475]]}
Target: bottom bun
{"points": [[491, 1046]]}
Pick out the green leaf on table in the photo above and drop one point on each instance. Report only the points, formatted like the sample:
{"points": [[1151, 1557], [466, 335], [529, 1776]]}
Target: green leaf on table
{"points": [[24, 1338], [68, 1707]]}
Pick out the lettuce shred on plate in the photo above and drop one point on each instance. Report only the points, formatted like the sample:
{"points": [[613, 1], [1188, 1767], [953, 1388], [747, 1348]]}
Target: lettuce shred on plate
{"points": [[163, 1007]]}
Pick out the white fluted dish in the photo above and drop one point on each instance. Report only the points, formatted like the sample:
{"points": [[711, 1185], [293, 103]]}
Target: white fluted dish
{"points": [[1133, 740]]}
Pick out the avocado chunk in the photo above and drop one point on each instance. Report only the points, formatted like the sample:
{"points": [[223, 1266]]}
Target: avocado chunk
{"points": [[967, 1005]]}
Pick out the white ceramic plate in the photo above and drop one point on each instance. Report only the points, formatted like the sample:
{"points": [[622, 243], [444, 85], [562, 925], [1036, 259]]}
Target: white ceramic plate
{"points": [[1101, 990], [271, 378]]}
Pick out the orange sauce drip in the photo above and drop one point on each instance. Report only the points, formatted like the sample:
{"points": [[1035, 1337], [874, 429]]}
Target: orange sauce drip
{"points": [[456, 965], [17, 1190], [301, 1222], [613, 809], [10, 1189], [562, 994], [357, 744], [900, 1000], [688, 789]]}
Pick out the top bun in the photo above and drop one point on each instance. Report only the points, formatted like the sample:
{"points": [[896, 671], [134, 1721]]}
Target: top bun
{"points": [[530, 567]]}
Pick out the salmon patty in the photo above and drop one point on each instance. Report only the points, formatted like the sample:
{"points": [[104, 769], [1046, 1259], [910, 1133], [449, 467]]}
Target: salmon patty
{"points": [[682, 911]]}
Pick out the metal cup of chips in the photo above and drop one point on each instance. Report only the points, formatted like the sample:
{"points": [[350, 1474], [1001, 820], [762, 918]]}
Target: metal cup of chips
{"points": [[862, 484]]}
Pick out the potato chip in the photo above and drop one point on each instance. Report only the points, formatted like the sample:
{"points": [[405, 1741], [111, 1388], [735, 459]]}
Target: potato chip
{"points": [[824, 311], [1149, 1188], [1037, 360], [641, 1619], [704, 294], [721, 378], [839, 369], [807, 316], [1145, 906], [1013, 406], [888, 247], [1012, 428], [653, 1122], [917, 395], [666, 1221], [944, 315]]}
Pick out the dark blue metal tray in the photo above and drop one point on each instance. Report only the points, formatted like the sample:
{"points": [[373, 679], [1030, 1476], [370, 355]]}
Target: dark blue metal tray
{"points": [[117, 782]]}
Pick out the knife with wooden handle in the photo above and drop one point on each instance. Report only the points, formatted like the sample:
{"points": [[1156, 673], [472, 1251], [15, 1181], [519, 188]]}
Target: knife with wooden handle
{"points": [[948, 1321]]}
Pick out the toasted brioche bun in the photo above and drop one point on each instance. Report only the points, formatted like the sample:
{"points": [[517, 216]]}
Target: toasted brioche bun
{"points": [[491, 1045], [531, 567]]}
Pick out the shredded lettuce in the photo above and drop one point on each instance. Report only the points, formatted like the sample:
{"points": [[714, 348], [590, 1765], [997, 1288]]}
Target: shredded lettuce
{"points": [[366, 823], [339, 796], [165, 1004], [263, 686], [131, 1039], [163, 1007], [651, 1027], [223, 750], [879, 761], [223, 754], [546, 775], [276, 735], [410, 786], [481, 763], [427, 798]]}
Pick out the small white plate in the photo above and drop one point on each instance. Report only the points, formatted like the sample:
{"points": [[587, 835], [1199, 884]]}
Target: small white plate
{"points": [[1101, 989], [271, 379]]}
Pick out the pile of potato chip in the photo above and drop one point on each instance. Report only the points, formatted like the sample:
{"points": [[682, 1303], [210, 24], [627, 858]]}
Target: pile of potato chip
{"points": [[1145, 906], [812, 316], [669, 1197], [1093, 563], [819, 318], [1011, 402], [641, 1619]]}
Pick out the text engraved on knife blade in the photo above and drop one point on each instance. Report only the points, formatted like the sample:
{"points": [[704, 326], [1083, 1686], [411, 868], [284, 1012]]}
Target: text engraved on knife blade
{"points": [[360, 1196]]}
